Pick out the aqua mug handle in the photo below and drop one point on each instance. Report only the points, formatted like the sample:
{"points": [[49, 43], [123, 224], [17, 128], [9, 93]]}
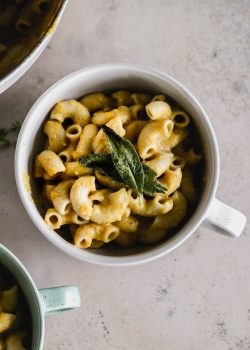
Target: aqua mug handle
{"points": [[59, 299]]}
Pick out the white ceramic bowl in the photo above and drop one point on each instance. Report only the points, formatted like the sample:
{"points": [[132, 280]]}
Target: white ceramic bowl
{"points": [[136, 78]]}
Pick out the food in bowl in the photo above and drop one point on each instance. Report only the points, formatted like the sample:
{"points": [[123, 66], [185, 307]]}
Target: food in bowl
{"points": [[22, 25], [15, 318], [122, 167]]}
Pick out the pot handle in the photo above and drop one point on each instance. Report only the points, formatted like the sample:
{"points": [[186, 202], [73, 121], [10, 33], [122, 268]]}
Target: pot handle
{"points": [[228, 220], [58, 299]]}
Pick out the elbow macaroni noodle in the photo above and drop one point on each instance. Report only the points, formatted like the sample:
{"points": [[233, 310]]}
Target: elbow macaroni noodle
{"points": [[153, 136], [97, 209]]}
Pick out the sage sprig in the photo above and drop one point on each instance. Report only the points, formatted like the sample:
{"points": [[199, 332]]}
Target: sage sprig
{"points": [[151, 184], [123, 164], [125, 160], [15, 127], [101, 162]]}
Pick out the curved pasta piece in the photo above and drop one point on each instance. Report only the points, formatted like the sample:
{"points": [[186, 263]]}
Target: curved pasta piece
{"points": [[107, 181], [9, 300], [158, 110], [187, 186], [160, 163], [100, 143], [140, 98], [117, 125], [110, 207], [188, 152], [122, 98], [128, 224], [159, 98], [171, 179], [84, 145], [133, 129], [48, 162], [174, 216], [176, 137], [48, 177], [79, 196], [46, 192], [55, 220], [66, 154], [72, 218], [23, 25], [41, 6], [148, 237], [152, 136], [85, 234], [71, 109], [75, 169], [178, 162], [15, 340], [192, 157], [181, 119], [124, 113], [73, 133], [38, 169], [60, 196], [96, 244], [28, 15], [97, 101], [100, 118], [7, 321], [137, 111], [56, 135], [149, 207]]}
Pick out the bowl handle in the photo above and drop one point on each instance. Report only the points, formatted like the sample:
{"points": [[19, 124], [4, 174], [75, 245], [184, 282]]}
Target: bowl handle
{"points": [[226, 219], [59, 299]]}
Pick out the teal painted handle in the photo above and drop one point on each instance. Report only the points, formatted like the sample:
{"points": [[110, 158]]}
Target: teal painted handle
{"points": [[59, 299]]}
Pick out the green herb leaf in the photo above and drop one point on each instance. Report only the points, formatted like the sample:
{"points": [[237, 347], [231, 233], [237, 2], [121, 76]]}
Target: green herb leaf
{"points": [[16, 126], [123, 165], [95, 158], [3, 140], [125, 160], [102, 163], [151, 184], [4, 132]]}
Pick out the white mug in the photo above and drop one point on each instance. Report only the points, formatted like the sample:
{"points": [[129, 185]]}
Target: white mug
{"points": [[136, 78]]}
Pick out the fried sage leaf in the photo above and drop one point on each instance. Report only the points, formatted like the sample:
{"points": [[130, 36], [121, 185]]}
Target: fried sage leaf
{"points": [[125, 160], [151, 184], [123, 165], [102, 163]]}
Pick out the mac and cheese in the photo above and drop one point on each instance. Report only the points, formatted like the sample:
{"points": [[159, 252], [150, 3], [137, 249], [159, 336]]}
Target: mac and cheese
{"points": [[98, 208]]}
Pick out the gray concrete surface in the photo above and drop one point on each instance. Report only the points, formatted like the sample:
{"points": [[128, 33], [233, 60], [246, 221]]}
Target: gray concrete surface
{"points": [[198, 297]]}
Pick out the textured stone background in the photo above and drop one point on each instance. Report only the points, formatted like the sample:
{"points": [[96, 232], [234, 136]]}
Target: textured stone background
{"points": [[198, 296]]}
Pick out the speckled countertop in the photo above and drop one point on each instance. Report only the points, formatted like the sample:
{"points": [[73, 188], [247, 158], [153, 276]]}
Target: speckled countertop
{"points": [[198, 297]]}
